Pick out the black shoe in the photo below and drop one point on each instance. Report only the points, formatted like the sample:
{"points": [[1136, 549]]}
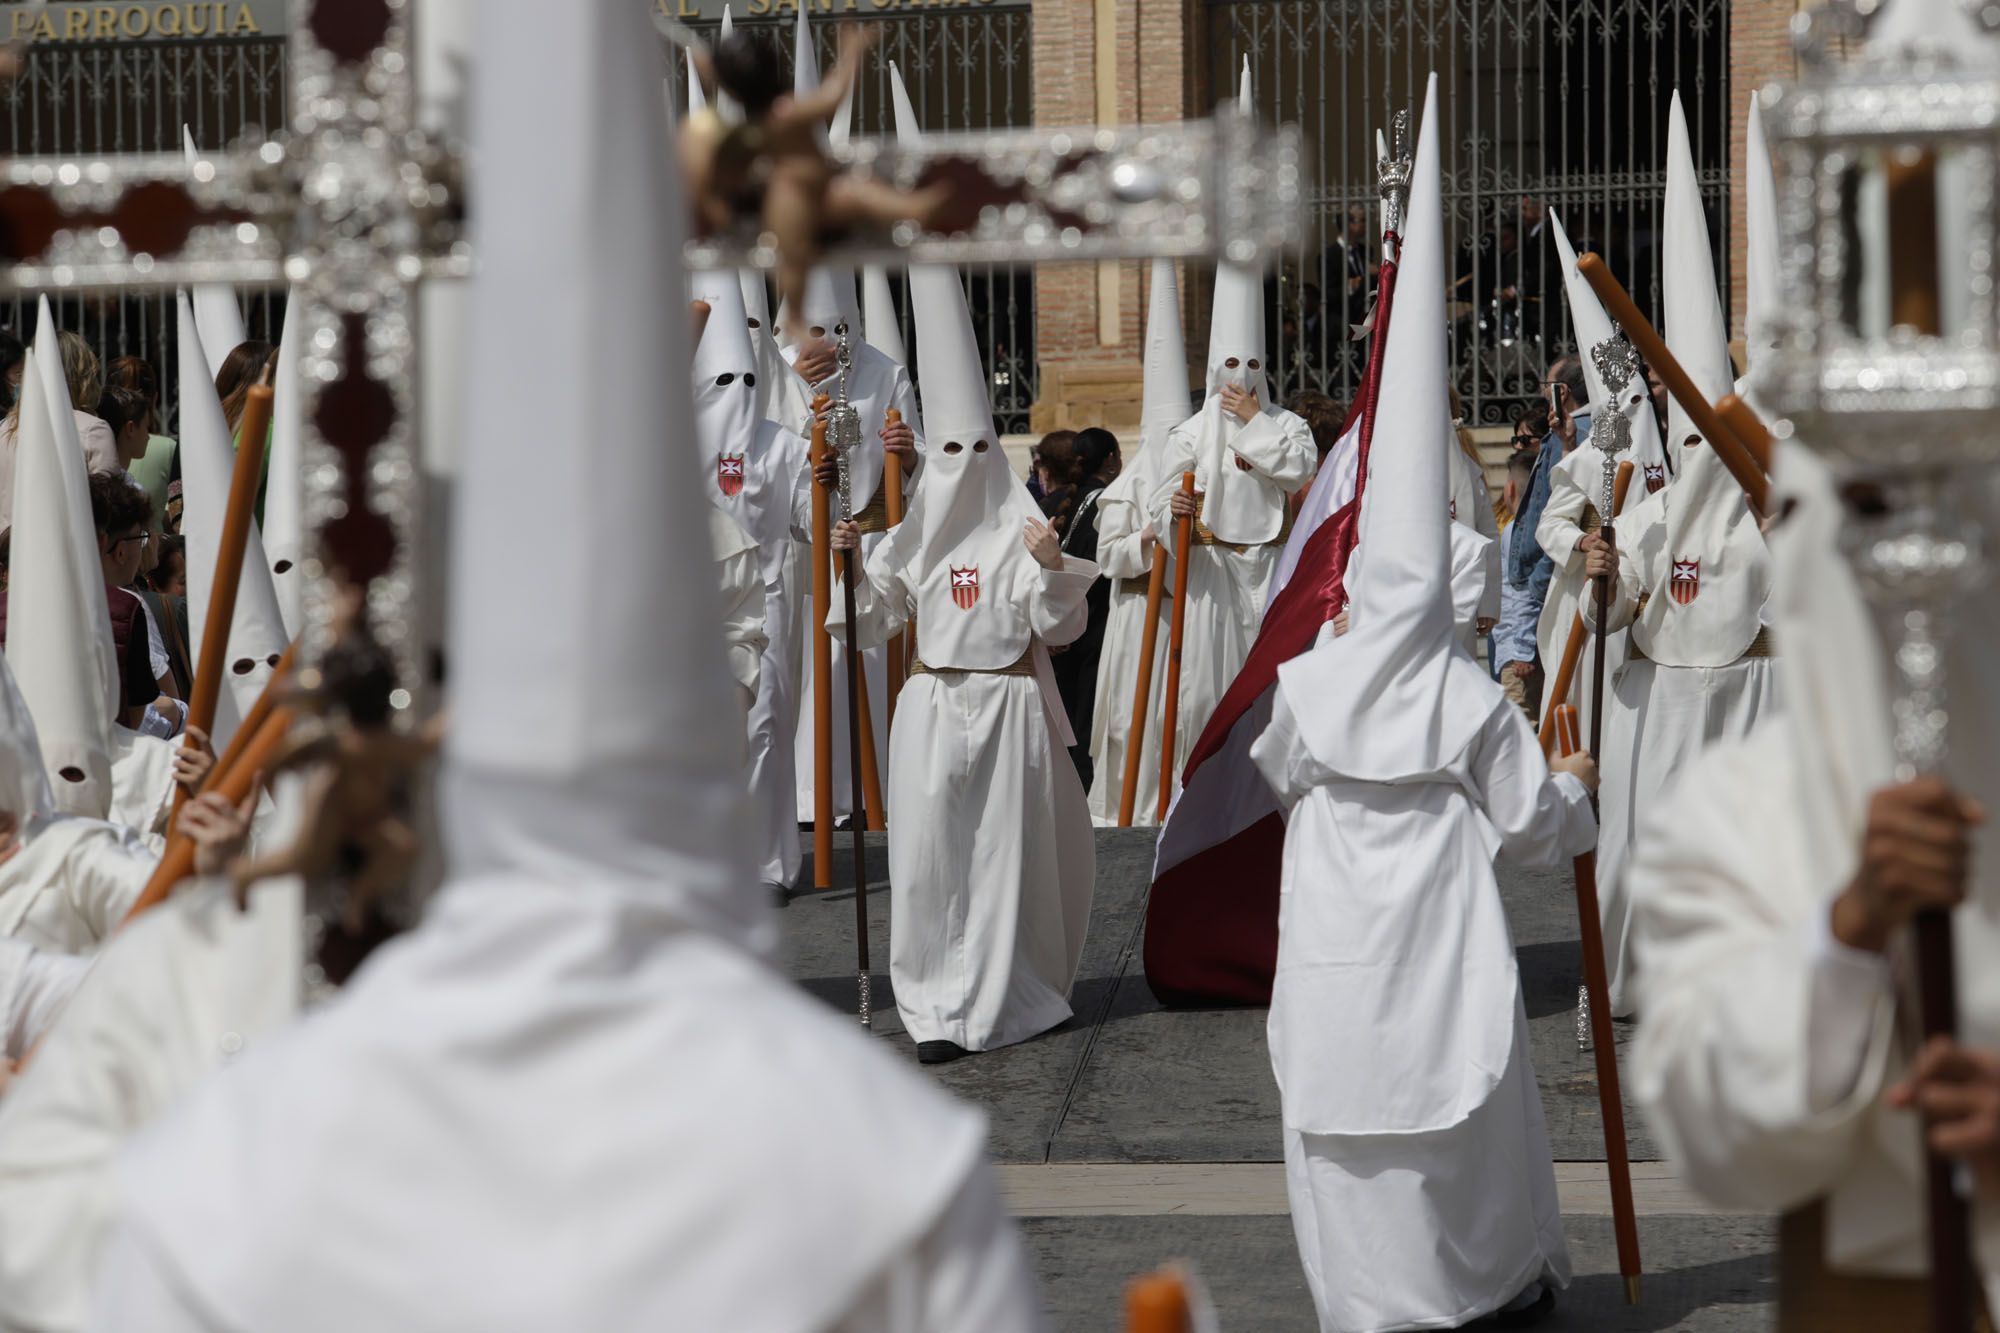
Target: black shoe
{"points": [[1524, 1310], [940, 1052]]}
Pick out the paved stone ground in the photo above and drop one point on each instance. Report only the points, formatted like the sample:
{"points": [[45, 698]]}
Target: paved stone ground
{"points": [[1128, 1081]]}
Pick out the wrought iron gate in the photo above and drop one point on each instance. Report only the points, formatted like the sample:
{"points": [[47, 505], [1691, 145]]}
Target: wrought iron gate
{"points": [[75, 100], [965, 70], [1549, 105]]}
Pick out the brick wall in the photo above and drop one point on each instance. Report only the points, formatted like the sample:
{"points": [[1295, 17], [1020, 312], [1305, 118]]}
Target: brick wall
{"points": [[1760, 52], [1086, 380]]}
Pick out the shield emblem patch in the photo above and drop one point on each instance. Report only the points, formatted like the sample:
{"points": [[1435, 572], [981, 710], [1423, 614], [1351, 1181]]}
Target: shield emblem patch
{"points": [[1656, 476], [1686, 582], [965, 586], [729, 473]]}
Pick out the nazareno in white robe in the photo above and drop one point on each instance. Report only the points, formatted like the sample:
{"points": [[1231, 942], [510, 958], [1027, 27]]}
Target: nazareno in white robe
{"points": [[167, 1003], [874, 385], [1226, 587], [1767, 1045], [72, 881], [991, 855], [1416, 1158], [1126, 562]]}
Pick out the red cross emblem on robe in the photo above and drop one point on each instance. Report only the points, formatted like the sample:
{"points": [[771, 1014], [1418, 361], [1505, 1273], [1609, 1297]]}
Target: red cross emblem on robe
{"points": [[729, 473], [1686, 581], [1656, 477], [965, 586]]}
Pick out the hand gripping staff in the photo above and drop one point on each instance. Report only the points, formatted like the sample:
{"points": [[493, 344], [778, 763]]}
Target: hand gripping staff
{"points": [[1610, 1100]]}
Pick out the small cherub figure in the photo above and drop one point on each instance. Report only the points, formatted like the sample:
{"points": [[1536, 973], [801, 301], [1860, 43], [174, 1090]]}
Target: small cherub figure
{"points": [[358, 770], [773, 166]]}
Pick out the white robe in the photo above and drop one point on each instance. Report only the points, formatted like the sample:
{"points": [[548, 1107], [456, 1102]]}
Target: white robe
{"points": [[1422, 1194], [774, 508], [35, 985], [1472, 508], [395, 1210], [874, 385], [1663, 717], [1226, 588], [71, 883], [1576, 481], [1125, 561], [167, 1003], [992, 856], [142, 783], [742, 583]]}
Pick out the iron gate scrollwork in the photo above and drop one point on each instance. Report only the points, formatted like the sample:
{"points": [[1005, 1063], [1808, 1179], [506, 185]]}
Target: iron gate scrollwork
{"points": [[1549, 105], [89, 99], [965, 70]]}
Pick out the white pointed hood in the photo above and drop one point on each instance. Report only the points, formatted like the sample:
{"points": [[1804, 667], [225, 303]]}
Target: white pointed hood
{"points": [[58, 624], [1593, 328], [24, 782], [1762, 297], [726, 415], [1235, 505], [1397, 696], [830, 298], [1163, 395], [878, 315], [1709, 531], [805, 61], [697, 101], [772, 368], [257, 632], [605, 747], [216, 313], [725, 105], [284, 496]]}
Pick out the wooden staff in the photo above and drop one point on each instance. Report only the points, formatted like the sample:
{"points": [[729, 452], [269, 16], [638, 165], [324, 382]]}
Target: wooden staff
{"points": [[178, 860], [253, 721], [892, 500], [871, 775], [1610, 1100], [1720, 438], [1142, 694], [860, 741], [1742, 419], [822, 596], [1183, 537], [207, 689], [1558, 694]]}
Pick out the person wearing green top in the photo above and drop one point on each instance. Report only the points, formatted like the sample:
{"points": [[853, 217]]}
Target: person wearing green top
{"points": [[152, 469]]}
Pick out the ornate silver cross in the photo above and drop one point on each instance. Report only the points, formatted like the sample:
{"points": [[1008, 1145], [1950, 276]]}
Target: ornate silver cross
{"points": [[353, 206]]}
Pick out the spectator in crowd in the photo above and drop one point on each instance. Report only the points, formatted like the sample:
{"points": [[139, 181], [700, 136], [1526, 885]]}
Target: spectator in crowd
{"points": [[164, 591], [1565, 424], [128, 414], [1097, 464], [86, 385], [1530, 424], [153, 469], [1057, 471], [1513, 639], [1324, 418], [13, 359]]}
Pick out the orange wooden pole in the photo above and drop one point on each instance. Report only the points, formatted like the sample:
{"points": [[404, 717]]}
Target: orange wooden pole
{"points": [[207, 686], [1158, 1303], [1734, 455], [1183, 538], [178, 860], [1558, 694], [822, 597], [1743, 419], [1604, 1043], [892, 500], [1142, 693]]}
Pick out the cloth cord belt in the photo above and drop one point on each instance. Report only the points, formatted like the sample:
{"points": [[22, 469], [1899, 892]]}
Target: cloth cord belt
{"points": [[874, 516], [1024, 665], [1203, 537], [1764, 645]]}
